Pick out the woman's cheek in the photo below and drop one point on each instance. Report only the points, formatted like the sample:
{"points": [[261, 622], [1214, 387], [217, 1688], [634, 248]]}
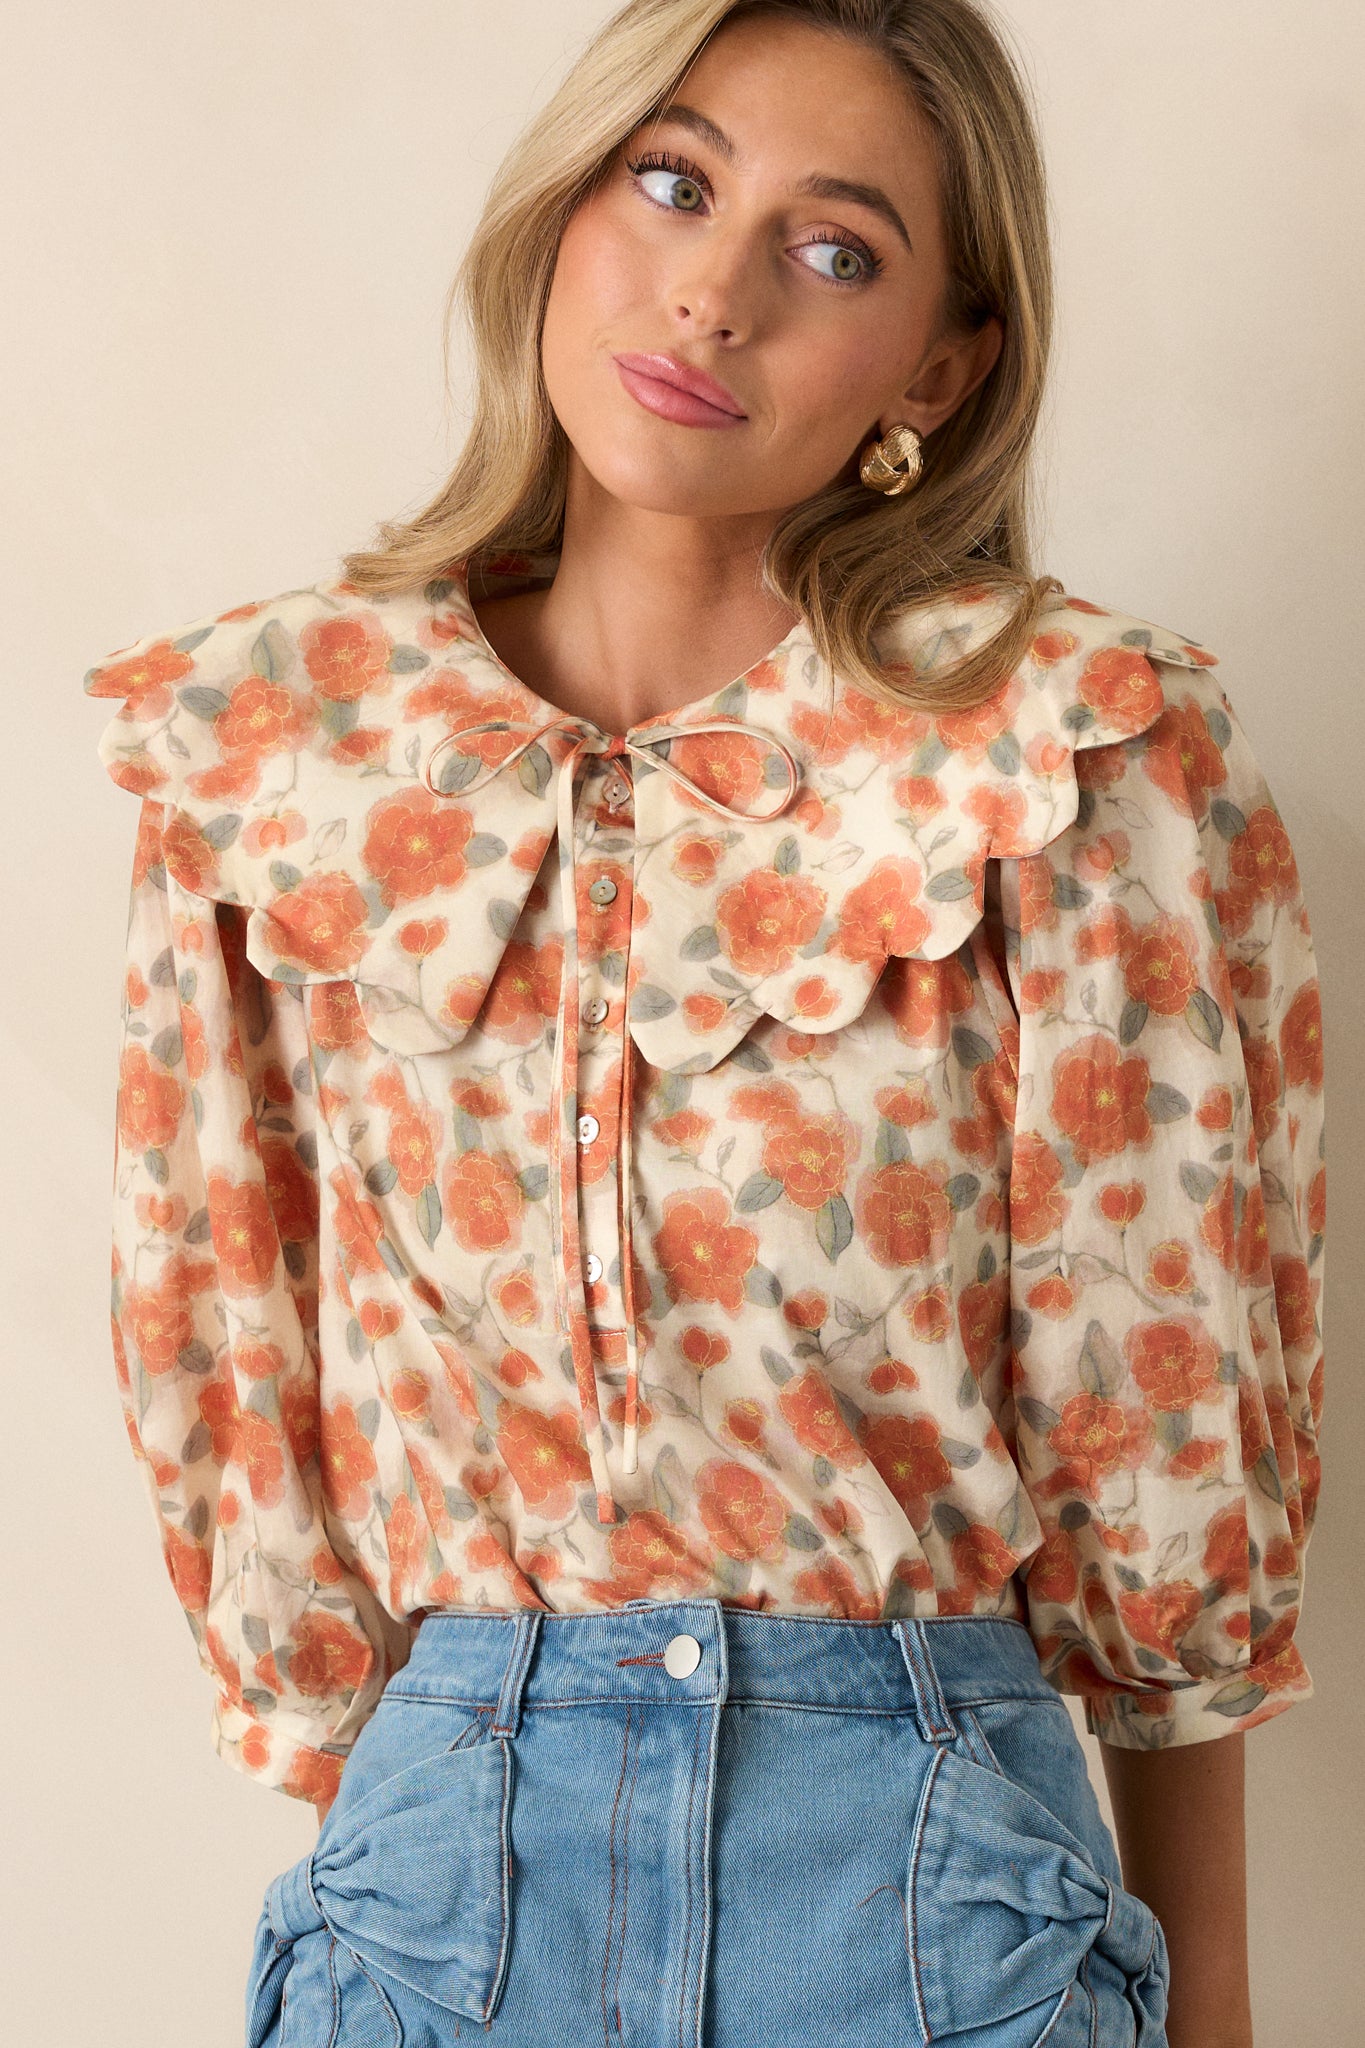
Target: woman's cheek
{"points": [[831, 391], [597, 276]]}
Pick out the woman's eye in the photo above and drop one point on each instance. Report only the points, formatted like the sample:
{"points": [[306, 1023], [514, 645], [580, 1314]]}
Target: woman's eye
{"points": [[836, 260], [672, 189]]}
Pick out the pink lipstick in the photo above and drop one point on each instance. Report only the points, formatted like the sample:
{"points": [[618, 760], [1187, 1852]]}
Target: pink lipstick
{"points": [[676, 392]]}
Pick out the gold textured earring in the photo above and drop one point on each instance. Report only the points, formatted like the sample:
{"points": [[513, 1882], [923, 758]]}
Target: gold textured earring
{"points": [[894, 463]]}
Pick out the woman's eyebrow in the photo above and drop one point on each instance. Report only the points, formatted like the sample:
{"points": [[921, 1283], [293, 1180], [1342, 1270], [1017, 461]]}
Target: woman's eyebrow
{"points": [[871, 196], [702, 126], [818, 186]]}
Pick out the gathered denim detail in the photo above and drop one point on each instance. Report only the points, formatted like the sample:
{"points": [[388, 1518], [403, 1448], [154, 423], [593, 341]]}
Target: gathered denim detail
{"points": [[557, 1831], [1007, 1912]]}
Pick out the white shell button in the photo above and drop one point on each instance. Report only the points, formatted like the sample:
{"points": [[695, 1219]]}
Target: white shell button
{"points": [[595, 1012], [603, 890], [682, 1656], [592, 1266], [588, 1127]]}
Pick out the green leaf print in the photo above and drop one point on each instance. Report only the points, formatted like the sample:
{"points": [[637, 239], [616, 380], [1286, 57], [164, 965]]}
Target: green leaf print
{"points": [[534, 771], [429, 1213], [272, 653], [1132, 1022], [202, 702], [1102, 1368], [1238, 1698], [776, 1366], [762, 1288], [834, 1227], [1228, 821], [1205, 1019], [406, 661]]}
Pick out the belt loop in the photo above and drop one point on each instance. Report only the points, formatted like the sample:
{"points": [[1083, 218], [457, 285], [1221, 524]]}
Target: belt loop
{"points": [[936, 1724], [525, 1630]]}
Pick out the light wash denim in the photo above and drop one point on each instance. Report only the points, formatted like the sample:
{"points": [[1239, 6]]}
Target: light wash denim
{"points": [[829, 1834]]}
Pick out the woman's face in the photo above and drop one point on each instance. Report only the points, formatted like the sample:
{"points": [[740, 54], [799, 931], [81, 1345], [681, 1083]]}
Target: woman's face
{"points": [[773, 239]]}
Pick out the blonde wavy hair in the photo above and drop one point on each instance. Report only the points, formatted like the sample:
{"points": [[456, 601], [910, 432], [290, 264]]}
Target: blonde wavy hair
{"points": [[847, 560]]}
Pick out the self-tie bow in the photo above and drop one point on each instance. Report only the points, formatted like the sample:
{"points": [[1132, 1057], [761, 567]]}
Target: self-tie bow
{"points": [[588, 742], [988, 1856]]}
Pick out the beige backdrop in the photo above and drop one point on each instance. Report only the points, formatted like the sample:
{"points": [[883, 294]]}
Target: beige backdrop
{"points": [[227, 234]]}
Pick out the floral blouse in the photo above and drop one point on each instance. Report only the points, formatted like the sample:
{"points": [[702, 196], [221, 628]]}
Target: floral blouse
{"points": [[814, 1153]]}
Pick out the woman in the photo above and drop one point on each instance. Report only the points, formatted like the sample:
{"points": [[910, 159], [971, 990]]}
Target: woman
{"points": [[719, 1190]]}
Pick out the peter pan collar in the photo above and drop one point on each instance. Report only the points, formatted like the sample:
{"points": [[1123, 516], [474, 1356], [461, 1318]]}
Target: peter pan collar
{"points": [[289, 738]]}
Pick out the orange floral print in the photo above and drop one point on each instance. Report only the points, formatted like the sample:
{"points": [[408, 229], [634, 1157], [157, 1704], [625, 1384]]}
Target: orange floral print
{"points": [[484, 1202], [764, 919], [906, 1255], [704, 1254]]}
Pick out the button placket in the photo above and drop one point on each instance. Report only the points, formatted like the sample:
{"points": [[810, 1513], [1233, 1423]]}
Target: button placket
{"points": [[606, 910], [608, 952]]}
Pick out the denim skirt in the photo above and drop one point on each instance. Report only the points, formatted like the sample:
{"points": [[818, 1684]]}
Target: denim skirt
{"points": [[681, 1824]]}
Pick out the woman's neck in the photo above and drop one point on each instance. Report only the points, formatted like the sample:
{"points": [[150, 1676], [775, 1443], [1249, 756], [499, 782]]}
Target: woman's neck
{"points": [[647, 611]]}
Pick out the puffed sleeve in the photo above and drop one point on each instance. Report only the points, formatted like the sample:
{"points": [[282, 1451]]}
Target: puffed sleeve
{"points": [[215, 1293], [1167, 1208]]}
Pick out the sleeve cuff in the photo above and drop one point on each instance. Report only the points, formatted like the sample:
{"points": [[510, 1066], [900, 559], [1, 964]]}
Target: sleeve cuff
{"points": [[287, 1754], [1203, 1711]]}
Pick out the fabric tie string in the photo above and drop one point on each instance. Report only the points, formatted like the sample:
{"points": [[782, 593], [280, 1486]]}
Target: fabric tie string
{"points": [[588, 742]]}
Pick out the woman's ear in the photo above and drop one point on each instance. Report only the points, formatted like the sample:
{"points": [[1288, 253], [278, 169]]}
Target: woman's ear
{"points": [[952, 370]]}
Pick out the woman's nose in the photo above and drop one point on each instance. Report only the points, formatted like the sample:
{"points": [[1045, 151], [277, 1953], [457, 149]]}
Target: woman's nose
{"points": [[717, 291]]}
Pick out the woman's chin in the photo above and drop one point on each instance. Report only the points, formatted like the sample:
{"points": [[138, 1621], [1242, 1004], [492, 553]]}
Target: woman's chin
{"points": [[683, 488]]}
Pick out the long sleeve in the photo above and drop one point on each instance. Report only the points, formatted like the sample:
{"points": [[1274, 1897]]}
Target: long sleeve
{"points": [[215, 1300], [1167, 1211]]}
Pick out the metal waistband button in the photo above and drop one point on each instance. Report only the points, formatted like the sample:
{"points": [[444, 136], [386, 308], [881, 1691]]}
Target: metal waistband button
{"points": [[682, 1655]]}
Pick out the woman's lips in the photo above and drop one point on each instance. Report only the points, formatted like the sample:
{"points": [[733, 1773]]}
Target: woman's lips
{"points": [[669, 388]]}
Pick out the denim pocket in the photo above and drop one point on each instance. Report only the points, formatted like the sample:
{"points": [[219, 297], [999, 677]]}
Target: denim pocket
{"points": [[270, 1960], [291, 1993], [1017, 1939], [408, 1885], [300, 1988], [402, 1731], [415, 1876]]}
